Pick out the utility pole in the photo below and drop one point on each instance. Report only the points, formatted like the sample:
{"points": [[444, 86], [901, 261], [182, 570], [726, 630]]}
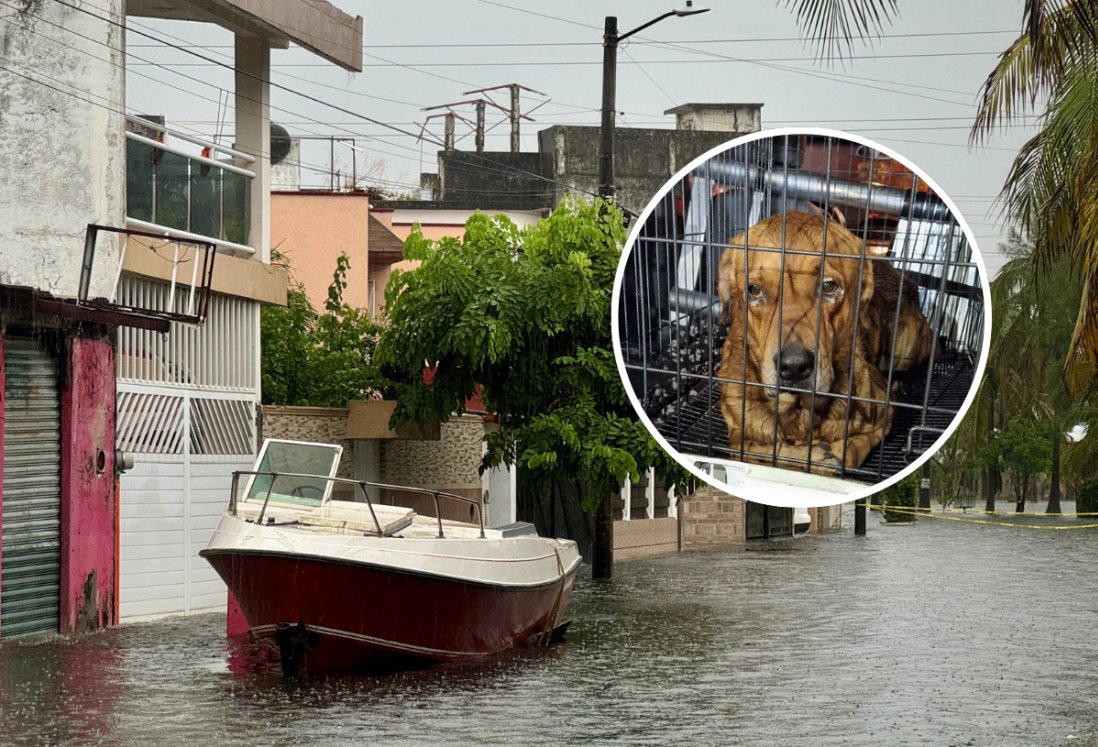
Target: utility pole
{"points": [[514, 118], [924, 486], [602, 561], [514, 111], [448, 118], [610, 40], [479, 139], [609, 94]]}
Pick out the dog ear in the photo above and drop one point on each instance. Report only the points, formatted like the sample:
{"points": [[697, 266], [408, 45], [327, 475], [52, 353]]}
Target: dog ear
{"points": [[729, 278], [868, 289], [867, 279]]}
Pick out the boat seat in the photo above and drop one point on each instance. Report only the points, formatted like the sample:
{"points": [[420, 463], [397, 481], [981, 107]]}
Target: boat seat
{"points": [[355, 517]]}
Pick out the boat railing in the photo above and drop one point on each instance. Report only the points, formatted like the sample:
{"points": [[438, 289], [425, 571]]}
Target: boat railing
{"points": [[361, 485]]}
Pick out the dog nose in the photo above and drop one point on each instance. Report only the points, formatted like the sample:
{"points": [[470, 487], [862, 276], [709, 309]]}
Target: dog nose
{"points": [[795, 363]]}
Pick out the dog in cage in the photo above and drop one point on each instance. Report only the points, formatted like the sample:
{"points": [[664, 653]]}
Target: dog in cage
{"points": [[815, 330]]}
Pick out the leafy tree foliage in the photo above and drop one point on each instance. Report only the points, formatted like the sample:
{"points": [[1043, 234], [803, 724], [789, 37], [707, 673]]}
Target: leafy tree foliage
{"points": [[319, 359], [1023, 451], [523, 314], [900, 500]]}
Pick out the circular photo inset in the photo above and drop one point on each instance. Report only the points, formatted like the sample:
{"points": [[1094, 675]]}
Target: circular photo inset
{"points": [[801, 317]]}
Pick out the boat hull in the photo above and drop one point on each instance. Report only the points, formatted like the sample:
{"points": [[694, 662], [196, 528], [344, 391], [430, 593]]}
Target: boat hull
{"points": [[370, 614]]}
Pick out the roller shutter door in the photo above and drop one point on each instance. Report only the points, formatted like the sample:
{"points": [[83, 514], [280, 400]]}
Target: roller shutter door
{"points": [[30, 553]]}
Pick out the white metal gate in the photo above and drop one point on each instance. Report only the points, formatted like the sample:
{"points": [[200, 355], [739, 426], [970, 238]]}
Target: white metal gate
{"points": [[187, 408], [31, 542]]}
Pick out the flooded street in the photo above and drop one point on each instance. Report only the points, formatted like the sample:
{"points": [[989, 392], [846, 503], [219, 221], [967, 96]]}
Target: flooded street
{"points": [[942, 633]]}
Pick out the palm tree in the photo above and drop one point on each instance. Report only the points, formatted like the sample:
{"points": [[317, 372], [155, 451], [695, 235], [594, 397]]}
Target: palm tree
{"points": [[1052, 188], [1032, 321]]}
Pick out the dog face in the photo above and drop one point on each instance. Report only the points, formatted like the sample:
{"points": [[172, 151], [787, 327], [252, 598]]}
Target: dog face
{"points": [[800, 305]]}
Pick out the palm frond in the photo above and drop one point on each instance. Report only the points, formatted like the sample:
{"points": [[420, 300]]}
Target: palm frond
{"points": [[832, 26], [1033, 65], [1036, 15]]}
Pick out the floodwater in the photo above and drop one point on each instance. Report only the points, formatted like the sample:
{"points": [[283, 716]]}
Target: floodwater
{"points": [[941, 633]]}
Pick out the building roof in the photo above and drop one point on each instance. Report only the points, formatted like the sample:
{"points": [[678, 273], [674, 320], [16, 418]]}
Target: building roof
{"points": [[385, 246], [316, 25], [708, 107]]}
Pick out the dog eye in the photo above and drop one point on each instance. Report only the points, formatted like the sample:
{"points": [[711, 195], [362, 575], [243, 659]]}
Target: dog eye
{"points": [[754, 291], [829, 288]]}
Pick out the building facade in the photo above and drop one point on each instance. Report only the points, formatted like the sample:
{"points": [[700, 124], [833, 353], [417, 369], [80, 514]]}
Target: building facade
{"points": [[127, 345]]}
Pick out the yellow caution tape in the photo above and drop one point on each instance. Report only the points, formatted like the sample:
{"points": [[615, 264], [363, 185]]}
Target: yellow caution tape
{"points": [[966, 520]]}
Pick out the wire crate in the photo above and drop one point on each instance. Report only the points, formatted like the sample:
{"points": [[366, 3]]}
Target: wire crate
{"points": [[672, 322]]}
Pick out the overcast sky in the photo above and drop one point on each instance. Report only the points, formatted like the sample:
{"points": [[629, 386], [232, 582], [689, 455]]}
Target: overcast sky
{"points": [[913, 90]]}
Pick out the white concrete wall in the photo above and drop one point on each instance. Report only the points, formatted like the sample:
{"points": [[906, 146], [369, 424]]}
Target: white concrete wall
{"points": [[62, 148]]}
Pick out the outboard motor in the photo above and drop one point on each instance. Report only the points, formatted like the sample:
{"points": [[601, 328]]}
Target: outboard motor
{"points": [[294, 642]]}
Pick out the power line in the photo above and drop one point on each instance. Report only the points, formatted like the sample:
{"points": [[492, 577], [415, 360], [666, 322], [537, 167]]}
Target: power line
{"points": [[526, 45], [314, 99], [227, 66], [110, 103], [762, 64], [592, 63]]}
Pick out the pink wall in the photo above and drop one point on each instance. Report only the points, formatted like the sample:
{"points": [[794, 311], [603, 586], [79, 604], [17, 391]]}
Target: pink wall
{"points": [[311, 230], [3, 404], [87, 487]]}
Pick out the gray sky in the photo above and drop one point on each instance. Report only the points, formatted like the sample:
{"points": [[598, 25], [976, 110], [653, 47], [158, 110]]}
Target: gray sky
{"points": [[913, 90]]}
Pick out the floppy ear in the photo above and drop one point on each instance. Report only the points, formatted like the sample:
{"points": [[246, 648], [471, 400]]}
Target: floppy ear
{"points": [[729, 278], [867, 279]]}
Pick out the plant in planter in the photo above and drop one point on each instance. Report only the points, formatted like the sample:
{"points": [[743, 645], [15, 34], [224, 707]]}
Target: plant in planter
{"points": [[900, 500], [1087, 502]]}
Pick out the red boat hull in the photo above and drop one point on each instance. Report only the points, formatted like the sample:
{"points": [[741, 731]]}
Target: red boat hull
{"points": [[359, 616]]}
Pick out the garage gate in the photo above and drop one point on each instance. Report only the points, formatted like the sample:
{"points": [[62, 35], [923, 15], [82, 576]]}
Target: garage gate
{"points": [[30, 553]]}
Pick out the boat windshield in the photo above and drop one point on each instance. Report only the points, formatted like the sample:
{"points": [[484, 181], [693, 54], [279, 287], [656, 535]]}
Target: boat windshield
{"points": [[300, 459]]}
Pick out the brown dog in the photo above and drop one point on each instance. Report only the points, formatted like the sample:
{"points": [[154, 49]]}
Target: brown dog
{"points": [[784, 394]]}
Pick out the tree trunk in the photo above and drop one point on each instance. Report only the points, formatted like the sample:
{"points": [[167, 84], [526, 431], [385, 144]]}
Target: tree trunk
{"points": [[989, 488], [602, 554], [1020, 492], [1054, 486]]}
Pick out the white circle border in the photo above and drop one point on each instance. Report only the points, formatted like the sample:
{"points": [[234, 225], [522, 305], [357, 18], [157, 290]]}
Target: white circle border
{"points": [[777, 494]]}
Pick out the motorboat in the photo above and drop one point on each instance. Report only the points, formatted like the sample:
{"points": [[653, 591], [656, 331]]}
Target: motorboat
{"points": [[341, 578]]}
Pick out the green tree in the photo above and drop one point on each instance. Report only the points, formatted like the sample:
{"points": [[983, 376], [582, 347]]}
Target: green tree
{"points": [[1024, 451], [900, 501], [318, 359], [524, 314], [1032, 321]]}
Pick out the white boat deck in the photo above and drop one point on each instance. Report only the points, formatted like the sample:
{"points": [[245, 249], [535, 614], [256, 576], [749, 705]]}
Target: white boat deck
{"points": [[353, 517]]}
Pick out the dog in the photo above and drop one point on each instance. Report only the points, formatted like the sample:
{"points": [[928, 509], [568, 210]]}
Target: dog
{"points": [[816, 399]]}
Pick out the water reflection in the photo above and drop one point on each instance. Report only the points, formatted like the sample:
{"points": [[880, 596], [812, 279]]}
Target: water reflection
{"points": [[938, 633]]}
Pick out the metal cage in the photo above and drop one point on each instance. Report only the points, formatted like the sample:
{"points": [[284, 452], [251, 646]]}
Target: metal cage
{"points": [[672, 324]]}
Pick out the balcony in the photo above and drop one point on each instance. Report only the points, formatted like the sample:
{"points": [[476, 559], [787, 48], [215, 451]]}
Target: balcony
{"points": [[196, 190]]}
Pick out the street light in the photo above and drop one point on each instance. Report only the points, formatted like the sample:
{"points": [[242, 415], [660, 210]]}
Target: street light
{"points": [[602, 555], [610, 41]]}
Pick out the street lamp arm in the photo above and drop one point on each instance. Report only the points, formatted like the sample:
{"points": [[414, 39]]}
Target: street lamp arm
{"points": [[643, 26], [610, 40]]}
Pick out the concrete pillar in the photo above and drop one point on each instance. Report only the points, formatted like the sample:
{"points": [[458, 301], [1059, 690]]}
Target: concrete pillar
{"points": [[253, 133], [87, 488], [367, 464]]}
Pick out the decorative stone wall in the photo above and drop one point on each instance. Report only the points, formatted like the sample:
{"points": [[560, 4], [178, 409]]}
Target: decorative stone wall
{"points": [[450, 463], [318, 424], [711, 518]]}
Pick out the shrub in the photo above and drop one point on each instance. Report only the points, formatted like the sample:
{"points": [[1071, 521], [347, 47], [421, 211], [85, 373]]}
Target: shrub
{"points": [[1087, 502], [904, 496]]}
